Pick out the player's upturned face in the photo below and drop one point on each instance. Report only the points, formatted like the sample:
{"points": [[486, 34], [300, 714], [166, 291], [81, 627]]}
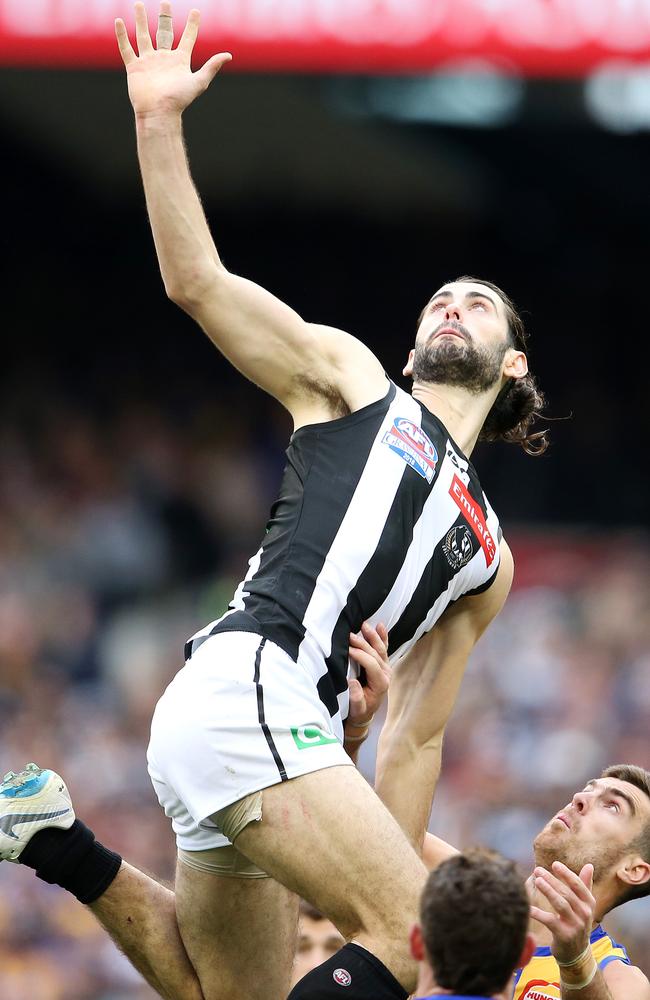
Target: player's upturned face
{"points": [[596, 827], [462, 338]]}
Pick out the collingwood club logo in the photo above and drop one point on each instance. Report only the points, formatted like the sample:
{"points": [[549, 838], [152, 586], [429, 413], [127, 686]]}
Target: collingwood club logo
{"points": [[457, 546]]}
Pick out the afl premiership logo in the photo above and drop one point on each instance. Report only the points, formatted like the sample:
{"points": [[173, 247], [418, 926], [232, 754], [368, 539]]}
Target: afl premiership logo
{"points": [[342, 977], [457, 546], [409, 441]]}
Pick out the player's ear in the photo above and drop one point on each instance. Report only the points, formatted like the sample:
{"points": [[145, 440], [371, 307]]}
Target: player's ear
{"points": [[408, 367], [515, 364], [634, 872], [416, 942], [527, 952]]}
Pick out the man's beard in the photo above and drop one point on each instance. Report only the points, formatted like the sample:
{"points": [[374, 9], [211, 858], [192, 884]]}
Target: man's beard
{"points": [[452, 361], [575, 855]]}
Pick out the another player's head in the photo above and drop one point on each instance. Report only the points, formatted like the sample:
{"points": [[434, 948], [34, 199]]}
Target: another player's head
{"points": [[318, 940], [606, 824], [470, 335], [473, 930]]}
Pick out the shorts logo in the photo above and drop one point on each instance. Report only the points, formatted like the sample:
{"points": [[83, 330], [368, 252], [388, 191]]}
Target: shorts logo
{"points": [[457, 546], [342, 977], [537, 990], [311, 736], [474, 516], [410, 442]]}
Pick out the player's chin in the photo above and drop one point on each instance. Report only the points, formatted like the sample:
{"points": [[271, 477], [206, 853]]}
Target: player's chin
{"points": [[442, 353], [547, 838]]}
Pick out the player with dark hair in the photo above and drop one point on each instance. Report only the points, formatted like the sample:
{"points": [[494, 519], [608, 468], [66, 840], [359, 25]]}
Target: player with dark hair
{"points": [[520, 401], [473, 930], [590, 857], [381, 518]]}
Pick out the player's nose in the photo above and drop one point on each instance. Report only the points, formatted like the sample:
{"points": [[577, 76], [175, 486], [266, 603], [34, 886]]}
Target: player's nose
{"points": [[580, 801], [453, 311]]}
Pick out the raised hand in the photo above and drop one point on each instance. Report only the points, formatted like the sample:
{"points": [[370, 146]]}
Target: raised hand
{"points": [[160, 79], [572, 917]]}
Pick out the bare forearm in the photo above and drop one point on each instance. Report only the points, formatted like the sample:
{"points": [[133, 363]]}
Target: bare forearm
{"points": [[616, 982], [260, 335], [406, 779], [422, 696], [186, 251], [596, 990]]}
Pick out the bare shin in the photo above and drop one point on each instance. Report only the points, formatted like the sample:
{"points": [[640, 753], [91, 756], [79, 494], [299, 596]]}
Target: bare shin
{"points": [[140, 916]]}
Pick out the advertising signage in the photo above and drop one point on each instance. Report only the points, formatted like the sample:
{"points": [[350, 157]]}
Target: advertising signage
{"points": [[534, 37]]}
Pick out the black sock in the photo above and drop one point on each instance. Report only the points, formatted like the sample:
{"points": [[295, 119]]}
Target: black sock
{"points": [[352, 974], [72, 859]]}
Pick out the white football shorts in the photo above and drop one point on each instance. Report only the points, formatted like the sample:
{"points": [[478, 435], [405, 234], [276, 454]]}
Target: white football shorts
{"points": [[238, 717]]}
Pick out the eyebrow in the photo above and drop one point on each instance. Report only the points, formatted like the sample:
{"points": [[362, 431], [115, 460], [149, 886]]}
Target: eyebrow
{"points": [[617, 792], [468, 295]]}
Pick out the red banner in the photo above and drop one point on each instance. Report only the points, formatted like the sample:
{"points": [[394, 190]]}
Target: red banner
{"points": [[537, 37]]}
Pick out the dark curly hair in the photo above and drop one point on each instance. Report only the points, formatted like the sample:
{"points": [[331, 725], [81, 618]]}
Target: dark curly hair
{"points": [[474, 916], [521, 401]]}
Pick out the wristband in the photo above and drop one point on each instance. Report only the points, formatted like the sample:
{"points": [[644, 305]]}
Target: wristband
{"points": [[583, 983], [360, 725], [356, 739], [584, 966]]}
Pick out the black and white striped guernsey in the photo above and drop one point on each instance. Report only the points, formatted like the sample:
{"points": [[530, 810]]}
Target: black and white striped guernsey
{"points": [[380, 517]]}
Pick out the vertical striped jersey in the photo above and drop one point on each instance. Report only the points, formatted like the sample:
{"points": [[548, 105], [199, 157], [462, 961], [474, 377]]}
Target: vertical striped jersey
{"points": [[540, 979], [380, 517]]}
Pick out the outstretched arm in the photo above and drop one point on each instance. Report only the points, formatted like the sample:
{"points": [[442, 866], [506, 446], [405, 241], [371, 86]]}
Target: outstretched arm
{"points": [[423, 692], [303, 365]]}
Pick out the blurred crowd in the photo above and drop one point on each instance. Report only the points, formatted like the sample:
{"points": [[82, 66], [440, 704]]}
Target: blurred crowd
{"points": [[118, 539]]}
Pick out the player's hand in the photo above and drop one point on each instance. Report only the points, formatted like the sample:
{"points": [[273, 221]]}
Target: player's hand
{"points": [[160, 78], [574, 906], [369, 650]]}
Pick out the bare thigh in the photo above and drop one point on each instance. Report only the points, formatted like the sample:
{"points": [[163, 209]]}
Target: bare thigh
{"points": [[327, 836], [240, 934]]}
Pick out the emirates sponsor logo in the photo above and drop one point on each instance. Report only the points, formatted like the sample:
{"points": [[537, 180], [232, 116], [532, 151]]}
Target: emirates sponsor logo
{"points": [[474, 517]]}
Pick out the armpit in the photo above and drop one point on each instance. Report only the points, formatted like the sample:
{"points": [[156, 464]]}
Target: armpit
{"points": [[313, 388]]}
